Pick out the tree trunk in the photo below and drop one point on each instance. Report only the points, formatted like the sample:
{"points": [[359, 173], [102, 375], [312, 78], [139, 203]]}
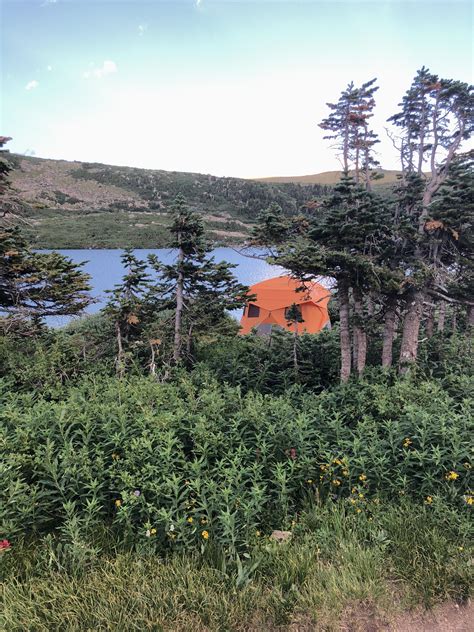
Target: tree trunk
{"points": [[355, 346], [441, 316], [152, 360], [179, 309], [189, 340], [389, 335], [411, 329], [429, 325], [120, 368], [470, 319], [295, 348], [360, 333], [343, 297]]}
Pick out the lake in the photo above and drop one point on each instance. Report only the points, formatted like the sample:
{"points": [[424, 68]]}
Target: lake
{"points": [[106, 270]]}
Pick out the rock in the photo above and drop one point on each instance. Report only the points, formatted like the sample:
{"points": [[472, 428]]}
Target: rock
{"points": [[281, 536]]}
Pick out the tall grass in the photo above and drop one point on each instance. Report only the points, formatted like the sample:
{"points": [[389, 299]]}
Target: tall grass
{"points": [[333, 561]]}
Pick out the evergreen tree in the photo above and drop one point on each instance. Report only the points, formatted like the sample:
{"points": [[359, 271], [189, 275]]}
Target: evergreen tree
{"points": [[436, 116], [348, 124], [35, 285], [450, 234], [9, 205], [128, 305], [195, 288], [294, 317]]}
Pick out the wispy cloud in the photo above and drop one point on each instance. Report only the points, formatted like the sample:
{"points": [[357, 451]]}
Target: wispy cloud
{"points": [[107, 68], [142, 28], [31, 85], [198, 3]]}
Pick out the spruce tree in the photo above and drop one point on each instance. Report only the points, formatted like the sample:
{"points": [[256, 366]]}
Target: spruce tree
{"points": [[196, 289], [128, 306], [36, 285], [436, 116]]}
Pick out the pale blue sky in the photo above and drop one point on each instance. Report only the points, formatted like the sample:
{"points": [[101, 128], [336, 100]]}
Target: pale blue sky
{"points": [[216, 86]]}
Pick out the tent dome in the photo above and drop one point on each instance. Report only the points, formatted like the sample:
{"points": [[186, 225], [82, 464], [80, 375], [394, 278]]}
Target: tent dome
{"points": [[275, 296]]}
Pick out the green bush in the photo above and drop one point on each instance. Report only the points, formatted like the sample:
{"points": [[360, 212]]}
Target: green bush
{"points": [[196, 465]]}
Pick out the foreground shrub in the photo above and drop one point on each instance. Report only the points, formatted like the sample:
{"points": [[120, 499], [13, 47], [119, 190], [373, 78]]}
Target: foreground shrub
{"points": [[195, 465]]}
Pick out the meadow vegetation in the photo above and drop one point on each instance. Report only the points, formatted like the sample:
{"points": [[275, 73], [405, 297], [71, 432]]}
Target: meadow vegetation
{"points": [[161, 472]]}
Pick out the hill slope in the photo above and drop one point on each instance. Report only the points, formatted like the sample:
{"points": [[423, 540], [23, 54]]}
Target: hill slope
{"points": [[329, 178], [91, 205]]}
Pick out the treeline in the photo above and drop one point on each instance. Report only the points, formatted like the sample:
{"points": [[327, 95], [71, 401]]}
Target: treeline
{"points": [[402, 266]]}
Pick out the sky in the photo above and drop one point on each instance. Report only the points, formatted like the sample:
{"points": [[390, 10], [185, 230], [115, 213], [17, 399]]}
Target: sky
{"points": [[227, 87]]}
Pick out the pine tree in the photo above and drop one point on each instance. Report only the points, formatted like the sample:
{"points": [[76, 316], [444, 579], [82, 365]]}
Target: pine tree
{"points": [[436, 116], [36, 285], [128, 306], [9, 204], [195, 288], [294, 317], [348, 123]]}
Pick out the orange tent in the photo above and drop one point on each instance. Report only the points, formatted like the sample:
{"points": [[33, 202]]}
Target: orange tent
{"points": [[273, 299]]}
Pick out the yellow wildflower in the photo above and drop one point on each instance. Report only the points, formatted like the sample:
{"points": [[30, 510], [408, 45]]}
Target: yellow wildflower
{"points": [[258, 534], [205, 535], [460, 548], [203, 520], [172, 536], [190, 520], [336, 482], [361, 495], [323, 467], [429, 500], [358, 510], [153, 531], [353, 501], [470, 500], [115, 456], [407, 442], [118, 503], [362, 477], [310, 481], [345, 472], [451, 476]]}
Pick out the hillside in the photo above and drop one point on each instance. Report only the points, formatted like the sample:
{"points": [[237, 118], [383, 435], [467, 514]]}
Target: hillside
{"points": [[91, 205], [329, 178]]}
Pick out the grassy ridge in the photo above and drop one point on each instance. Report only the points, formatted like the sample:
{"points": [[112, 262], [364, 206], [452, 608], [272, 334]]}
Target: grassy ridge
{"points": [[330, 178], [89, 205]]}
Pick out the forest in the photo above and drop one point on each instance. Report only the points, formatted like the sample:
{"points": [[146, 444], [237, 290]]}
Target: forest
{"points": [[275, 482]]}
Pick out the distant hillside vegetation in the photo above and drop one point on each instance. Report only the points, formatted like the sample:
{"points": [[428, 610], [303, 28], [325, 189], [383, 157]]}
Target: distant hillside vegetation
{"points": [[91, 205], [385, 176]]}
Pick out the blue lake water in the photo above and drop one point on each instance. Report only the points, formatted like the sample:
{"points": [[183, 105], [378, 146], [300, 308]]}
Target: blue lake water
{"points": [[106, 270]]}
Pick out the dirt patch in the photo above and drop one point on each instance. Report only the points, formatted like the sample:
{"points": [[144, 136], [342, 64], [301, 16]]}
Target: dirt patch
{"points": [[448, 617], [230, 233]]}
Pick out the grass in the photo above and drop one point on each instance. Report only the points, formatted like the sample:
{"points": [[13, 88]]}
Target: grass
{"points": [[330, 564], [112, 229], [329, 178], [98, 206]]}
